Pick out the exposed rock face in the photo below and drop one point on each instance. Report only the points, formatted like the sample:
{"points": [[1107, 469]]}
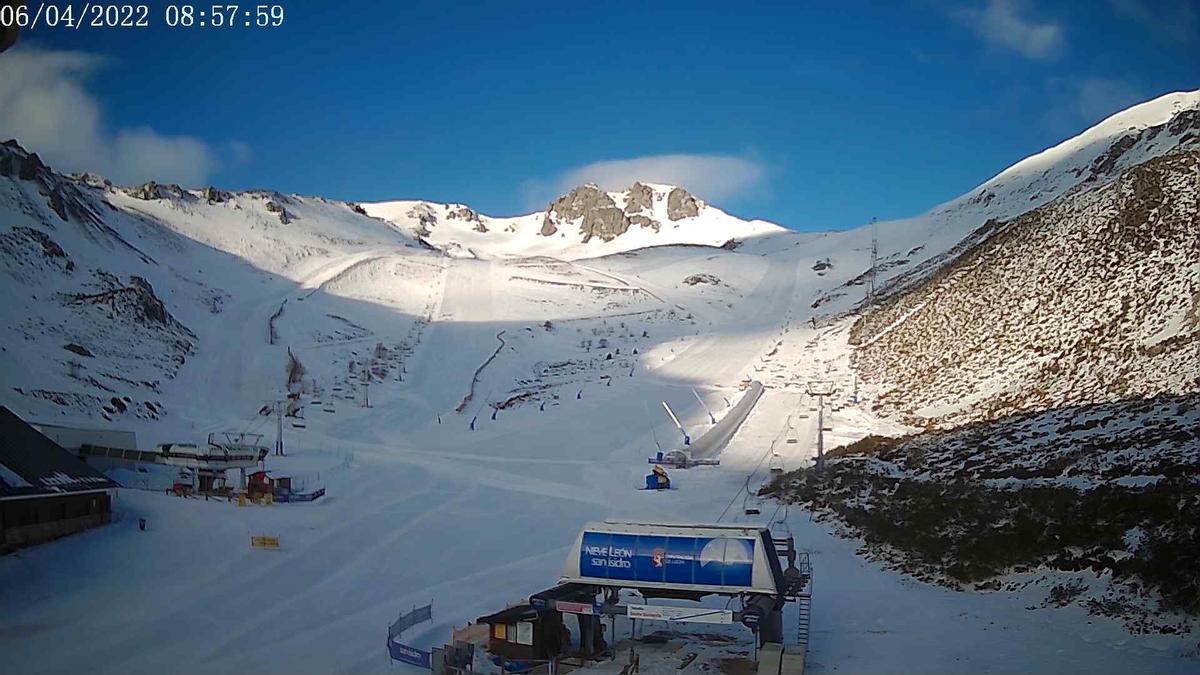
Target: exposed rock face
{"points": [[18, 164], [277, 208], [63, 196], [579, 202], [136, 300], [464, 213], [145, 192], [681, 204], [598, 214], [78, 349], [607, 222], [214, 196], [426, 218], [643, 221], [702, 278], [639, 198]]}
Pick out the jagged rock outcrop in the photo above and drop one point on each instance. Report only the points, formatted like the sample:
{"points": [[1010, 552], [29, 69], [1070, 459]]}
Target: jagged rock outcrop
{"points": [[640, 197], [16, 163], [426, 218], [145, 191], [643, 221], [702, 278], [212, 195], [681, 204], [579, 202], [63, 195], [464, 213], [595, 210], [278, 209], [135, 299], [607, 223]]}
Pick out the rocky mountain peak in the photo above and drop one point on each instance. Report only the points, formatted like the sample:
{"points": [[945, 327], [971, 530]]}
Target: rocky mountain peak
{"points": [[598, 214], [63, 195]]}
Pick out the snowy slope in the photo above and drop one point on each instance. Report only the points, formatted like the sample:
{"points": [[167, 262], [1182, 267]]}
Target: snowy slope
{"points": [[414, 309]]}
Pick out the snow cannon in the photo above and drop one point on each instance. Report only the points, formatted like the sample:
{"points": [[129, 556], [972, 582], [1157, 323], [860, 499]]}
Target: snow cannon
{"points": [[658, 479]]}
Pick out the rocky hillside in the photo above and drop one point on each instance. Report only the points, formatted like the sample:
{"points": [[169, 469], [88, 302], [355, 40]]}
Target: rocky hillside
{"points": [[1095, 505], [1094, 297]]}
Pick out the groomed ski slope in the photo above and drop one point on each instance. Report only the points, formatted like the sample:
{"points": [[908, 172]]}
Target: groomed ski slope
{"points": [[418, 511]]}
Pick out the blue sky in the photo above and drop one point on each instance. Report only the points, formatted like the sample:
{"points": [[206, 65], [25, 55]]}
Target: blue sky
{"points": [[812, 115]]}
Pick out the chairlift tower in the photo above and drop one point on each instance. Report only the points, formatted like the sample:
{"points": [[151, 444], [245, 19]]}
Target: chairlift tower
{"points": [[874, 260], [279, 405], [819, 389]]}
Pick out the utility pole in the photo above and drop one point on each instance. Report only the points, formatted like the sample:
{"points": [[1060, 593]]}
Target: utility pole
{"points": [[874, 260]]}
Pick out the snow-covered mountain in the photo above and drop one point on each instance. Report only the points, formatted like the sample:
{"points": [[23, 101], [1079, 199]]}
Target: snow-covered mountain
{"points": [[520, 361], [587, 222]]}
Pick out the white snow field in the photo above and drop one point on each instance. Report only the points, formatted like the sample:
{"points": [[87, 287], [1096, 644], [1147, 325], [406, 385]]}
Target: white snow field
{"points": [[578, 343]]}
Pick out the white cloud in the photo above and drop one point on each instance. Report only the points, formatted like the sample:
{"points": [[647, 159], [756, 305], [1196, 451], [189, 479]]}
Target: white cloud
{"points": [[711, 177], [45, 105], [1080, 103], [1097, 98], [1001, 25]]}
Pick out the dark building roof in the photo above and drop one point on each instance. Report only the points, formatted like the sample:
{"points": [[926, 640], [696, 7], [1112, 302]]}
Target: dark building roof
{"points": [[31, 464], [522, 612]]}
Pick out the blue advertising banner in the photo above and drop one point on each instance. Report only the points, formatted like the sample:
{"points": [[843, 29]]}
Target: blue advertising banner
{"points": [[409, 655], [708, 561]]}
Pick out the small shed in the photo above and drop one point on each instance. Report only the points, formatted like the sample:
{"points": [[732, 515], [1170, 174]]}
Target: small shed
{"points": [[524, 635], [45, 492]]}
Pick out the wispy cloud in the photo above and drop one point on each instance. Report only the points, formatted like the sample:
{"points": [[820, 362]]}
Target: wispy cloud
{"points": [[45, 104], [1177, 20], [711, 177], [1002, 25], [1081, 103]]}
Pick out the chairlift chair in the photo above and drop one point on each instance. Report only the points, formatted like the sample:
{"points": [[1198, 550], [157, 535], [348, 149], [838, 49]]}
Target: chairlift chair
{"points": [[748, 508], [775, 466]]}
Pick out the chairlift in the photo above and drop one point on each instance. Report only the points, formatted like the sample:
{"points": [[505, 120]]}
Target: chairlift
{"points": [[748, 508], [775, 466], [299, 424], [793, 439]]}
